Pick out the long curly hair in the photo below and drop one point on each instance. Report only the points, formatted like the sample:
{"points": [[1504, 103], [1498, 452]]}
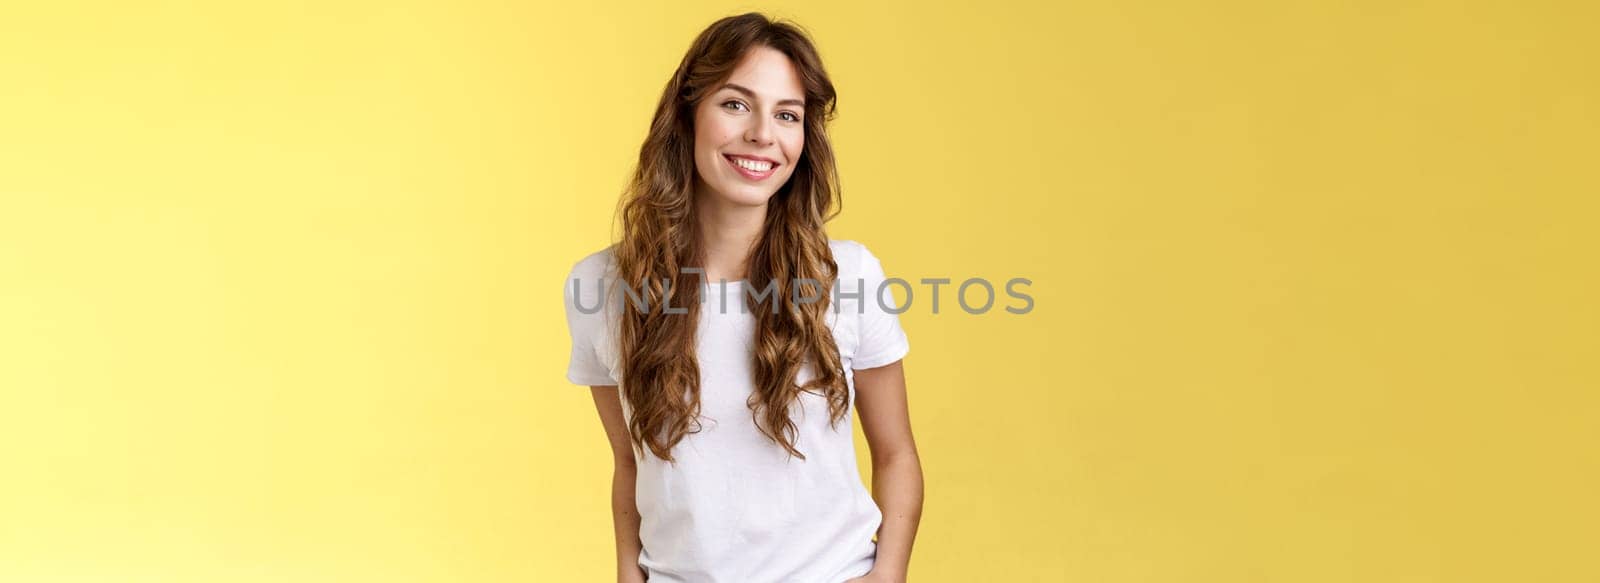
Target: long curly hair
{"points": [[660, 236]]}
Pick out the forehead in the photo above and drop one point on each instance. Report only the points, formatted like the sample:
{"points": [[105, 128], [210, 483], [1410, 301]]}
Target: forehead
{"points": [[769, 73]]}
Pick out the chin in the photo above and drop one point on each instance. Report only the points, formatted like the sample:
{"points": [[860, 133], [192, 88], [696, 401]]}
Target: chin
{"points": [[748, 196]]}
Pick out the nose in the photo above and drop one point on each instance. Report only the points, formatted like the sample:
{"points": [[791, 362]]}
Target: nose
{"points": [[759, 132]]}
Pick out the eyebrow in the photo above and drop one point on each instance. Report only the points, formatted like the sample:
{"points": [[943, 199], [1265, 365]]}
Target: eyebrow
{"points": [[752, 94]]}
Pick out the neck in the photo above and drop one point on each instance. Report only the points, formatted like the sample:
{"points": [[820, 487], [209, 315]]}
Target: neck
{"points": [[728, 233]]}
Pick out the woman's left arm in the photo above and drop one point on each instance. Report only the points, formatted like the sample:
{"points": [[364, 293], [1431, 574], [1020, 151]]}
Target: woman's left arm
{"points": [[896, 469]]}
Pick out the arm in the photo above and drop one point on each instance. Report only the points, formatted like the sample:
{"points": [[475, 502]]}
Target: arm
{"points": [[896, 469], [624, 510]]}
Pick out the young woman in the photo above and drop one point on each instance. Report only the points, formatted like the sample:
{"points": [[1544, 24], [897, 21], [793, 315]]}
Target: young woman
{"points": [[740, 336]]}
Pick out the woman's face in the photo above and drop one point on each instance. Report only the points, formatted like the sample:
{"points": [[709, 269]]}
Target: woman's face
{"points": [[748, 133]]}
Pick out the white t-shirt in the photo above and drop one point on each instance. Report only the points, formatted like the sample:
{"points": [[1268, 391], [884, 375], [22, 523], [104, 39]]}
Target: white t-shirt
{"points": [[735, 508]]}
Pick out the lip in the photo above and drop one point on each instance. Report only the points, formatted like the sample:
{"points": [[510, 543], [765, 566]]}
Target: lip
{"points": [[751, 174]]}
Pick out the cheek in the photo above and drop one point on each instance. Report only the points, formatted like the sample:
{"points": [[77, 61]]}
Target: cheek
{"points": [[793, 148], [712, 132]]}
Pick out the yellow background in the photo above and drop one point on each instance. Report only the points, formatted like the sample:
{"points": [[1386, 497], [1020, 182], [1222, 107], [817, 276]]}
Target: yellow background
{"points": [[1315, 283]]}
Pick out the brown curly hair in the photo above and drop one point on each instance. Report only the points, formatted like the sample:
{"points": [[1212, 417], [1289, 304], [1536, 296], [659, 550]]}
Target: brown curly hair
{"points": [[660, 236]]}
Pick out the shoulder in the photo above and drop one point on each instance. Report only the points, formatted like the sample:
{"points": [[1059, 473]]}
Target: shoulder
{"points": [[854, 259], [847, 253], [601, 263], [588, 277]]}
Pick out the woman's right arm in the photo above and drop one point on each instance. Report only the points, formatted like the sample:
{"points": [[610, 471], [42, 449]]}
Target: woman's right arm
{"points": [[624, 510]]}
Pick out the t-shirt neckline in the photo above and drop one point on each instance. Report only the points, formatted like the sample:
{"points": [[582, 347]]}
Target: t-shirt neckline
{"points": [[717, 285]]}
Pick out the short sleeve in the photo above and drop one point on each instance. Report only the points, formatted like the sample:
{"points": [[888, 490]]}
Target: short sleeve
{"points": [[582, 293], [882, 341]]}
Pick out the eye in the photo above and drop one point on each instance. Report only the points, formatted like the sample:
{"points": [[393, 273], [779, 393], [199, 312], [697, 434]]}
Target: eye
{"points": [[736, 104], [792, 116]]}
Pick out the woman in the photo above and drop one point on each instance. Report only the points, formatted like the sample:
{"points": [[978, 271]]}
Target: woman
{"points": [[740, 336]]}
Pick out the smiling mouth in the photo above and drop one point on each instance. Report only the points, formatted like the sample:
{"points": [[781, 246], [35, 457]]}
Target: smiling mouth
{"points": [[751, 168]]}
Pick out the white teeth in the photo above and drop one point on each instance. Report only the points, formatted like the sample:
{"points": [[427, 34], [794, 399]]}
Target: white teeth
{"points": [[753, 165]]}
